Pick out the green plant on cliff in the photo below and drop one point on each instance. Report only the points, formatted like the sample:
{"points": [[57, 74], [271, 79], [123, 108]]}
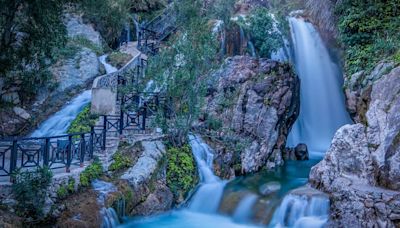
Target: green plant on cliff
{"points": [[29, 190], [83, 122], [67, 189], [261, 28], [182, 69], [91, 172], [181, 171], [369, 30], [118, 59], [120, 162]]}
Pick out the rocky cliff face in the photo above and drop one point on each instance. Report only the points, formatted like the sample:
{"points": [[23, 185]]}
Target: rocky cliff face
{"points": [[251, 105], [322, 14], [69, 75], [361, 170]]}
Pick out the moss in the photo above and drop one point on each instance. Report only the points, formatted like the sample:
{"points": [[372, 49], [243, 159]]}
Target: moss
{"points": [[119, 59], [83, 121], [66, 190], [91, 172], [181, 171]]}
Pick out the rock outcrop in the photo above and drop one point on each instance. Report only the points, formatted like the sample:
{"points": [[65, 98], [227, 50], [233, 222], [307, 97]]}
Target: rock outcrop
{"points": [[251, 105], [147, 179], [361, 170]]}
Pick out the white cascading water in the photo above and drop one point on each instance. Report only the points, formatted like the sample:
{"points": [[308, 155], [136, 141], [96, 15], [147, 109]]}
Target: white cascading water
{"points": [[58, 123], [202, 209], [109, 215], [322, 107], [322, 112], [301, 212], [209, 193], [244, 210]]}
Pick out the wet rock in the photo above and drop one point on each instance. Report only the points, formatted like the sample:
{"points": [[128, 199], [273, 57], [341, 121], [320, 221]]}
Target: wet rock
{"points": [[301, 152], [361, 170], [156, 202], [257, 100], [269, 188]]}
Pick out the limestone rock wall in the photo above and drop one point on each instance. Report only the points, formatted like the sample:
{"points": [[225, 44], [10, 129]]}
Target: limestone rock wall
{"points": [[256, 102], [361, 170]]}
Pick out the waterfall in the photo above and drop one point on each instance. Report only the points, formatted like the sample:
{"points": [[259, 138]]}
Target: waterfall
{"points": [[244, 210], [109, 69], [209, 194], [301, 211], [59, 123], [322, 107], [109, 215]]}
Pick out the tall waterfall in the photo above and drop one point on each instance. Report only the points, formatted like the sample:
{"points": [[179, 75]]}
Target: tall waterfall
{"points": [[322, 108]]}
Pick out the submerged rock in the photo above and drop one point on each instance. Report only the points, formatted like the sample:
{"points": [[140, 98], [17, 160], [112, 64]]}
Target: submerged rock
{"points": [[269, 188], [361, 170], [251, 105]]}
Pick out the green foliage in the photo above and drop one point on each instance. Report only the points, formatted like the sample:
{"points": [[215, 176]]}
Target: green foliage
{"points": [[83, 121], [181, 171], [182, 69], [30, 34], [261, 28], [91, 172], [118, 59], [146, 5], [369, 31], [29, 190], [213, 123], [109, 16], [66, 190], [120, 162]]}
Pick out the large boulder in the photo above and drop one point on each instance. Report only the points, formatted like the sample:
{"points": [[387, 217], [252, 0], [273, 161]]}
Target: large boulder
{"points": [[361, 170], [255, 101]]}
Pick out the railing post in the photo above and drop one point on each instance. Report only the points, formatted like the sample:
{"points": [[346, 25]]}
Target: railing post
{"points": [[144, 114], [91, 143], [121, 116], [69, 154], [83, 150], [103, 146], [13, 158], [46, 152]]}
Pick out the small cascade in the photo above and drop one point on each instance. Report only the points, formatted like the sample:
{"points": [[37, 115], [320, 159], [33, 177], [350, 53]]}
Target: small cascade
{"points": [[109, 69], [301, 211], [59, 123], [244, 210], [110, 216], [252, 48], [209, 193]]}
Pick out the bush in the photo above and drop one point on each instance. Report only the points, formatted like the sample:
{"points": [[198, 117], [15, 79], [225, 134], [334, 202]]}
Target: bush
{"points": [[213, 123], [120, 162], [181, 171], [29, 190], [66, 190], [261, 28], [369, 31], [83, 122], [91, 172], [118, 59]]}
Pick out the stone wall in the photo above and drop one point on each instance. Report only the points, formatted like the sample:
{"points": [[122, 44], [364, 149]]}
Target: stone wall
{"points": [[104, 90]]}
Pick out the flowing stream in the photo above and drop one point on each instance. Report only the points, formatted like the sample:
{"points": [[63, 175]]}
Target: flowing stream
{"points": [[59, 123]]}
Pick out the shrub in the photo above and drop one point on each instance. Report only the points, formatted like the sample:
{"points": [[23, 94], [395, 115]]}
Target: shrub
{"points": [[213, 123], [261, 28], [66, 190], [83, 121], [91, 172], [181, 171], [120, 162], [29, 190], [118, 59]]}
